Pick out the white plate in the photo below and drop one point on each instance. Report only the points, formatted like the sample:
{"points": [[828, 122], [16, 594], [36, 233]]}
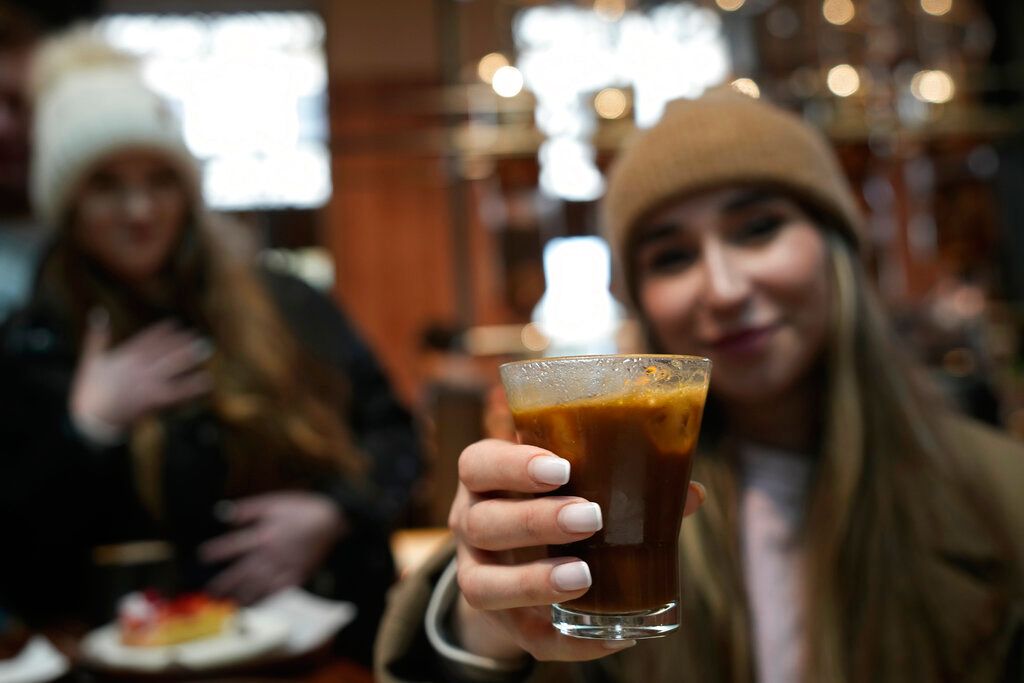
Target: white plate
{"points": [[39, 661], [253, 634]]}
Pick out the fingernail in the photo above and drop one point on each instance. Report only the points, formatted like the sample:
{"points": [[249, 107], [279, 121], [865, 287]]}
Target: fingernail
{"points": [[224, 510], [580, 518], [702, 492], [571, 576], [547, 469], [618, 644]]}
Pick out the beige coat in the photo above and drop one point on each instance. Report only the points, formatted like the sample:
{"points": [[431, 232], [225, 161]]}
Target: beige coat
{"points": [[986, 638]]}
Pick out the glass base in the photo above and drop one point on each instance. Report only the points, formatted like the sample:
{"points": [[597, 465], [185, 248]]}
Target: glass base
{"points": [[650, 623]]}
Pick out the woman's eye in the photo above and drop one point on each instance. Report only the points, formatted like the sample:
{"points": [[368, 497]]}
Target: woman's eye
{"points": [[163, 180], [668, 259], [759, 229]]}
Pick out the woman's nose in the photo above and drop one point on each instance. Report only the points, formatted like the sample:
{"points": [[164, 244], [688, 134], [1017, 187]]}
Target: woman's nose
{"points": [[138, 204], [726, 285]]}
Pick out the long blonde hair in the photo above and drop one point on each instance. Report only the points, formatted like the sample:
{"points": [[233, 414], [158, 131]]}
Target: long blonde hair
{"points": [[885, 486], [282, 410]]}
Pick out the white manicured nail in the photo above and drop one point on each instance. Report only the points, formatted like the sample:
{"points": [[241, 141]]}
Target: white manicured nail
{"points": [[547, 469], [618, 644], [580, 518], [571, 576]]}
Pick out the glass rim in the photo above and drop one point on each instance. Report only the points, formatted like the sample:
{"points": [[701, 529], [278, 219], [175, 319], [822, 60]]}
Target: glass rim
{"points": [[595, 356]]}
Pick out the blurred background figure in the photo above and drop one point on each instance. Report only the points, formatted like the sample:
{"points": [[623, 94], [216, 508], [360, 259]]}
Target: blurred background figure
{"points": [[949, 333], [160, 385]]}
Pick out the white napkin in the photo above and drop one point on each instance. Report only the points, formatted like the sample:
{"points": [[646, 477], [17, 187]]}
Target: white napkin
{"points": [[311, 620], [37, 662]]}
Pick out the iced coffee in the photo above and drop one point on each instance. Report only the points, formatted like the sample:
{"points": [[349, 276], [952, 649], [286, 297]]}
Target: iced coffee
{"points": [[629, 427]]}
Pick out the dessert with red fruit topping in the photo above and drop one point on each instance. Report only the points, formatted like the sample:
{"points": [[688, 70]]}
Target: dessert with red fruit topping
{"points": [[148, 619]]}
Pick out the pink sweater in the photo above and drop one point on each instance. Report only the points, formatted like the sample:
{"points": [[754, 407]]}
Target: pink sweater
{"points": [[774, 487]]}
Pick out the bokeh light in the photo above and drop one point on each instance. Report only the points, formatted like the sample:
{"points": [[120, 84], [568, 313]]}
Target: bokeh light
{"points": [[533, 337], [747, 86], [843, 80], [611, 103], [489, 65], [937, 7], [507, 81], [934, 86], [730, 5], [838, 12]]}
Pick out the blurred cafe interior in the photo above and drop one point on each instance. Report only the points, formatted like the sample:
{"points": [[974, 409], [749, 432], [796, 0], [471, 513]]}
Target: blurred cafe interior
{"points": [[436, 168]]}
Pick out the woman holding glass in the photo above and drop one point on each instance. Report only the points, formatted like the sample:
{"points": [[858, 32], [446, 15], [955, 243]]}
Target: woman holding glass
{"points": [[853, 528]]}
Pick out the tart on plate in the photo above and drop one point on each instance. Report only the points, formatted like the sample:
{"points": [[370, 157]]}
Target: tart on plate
{"points": [[149, 619]]}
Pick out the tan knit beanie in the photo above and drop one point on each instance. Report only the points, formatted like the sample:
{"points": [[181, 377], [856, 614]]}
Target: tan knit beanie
{"points": [[724, 138], [90, 102]]}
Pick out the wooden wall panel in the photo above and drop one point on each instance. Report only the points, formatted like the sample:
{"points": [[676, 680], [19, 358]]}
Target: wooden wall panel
{"points": [[388, 224], [388, 232]]}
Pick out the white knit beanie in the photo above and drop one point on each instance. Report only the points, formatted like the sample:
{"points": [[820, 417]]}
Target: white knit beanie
{"points": [[91, 102]]}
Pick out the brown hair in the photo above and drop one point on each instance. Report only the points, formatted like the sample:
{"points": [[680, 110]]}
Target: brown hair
{"points": [[281, 409]]}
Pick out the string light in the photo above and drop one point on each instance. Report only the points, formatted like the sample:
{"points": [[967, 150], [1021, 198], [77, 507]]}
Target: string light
{"points": [[610, 103], [489, 65], [843, 80], [838, 12], [937, 8], [747, 86], [934, 86]]}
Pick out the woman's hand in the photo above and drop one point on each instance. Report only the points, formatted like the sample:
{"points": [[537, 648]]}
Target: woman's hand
{"points": [[158, 367], [507, 584], [282, 539]]}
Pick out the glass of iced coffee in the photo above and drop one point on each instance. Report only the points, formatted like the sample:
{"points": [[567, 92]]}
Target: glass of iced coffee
{"points": [[628, 425]]}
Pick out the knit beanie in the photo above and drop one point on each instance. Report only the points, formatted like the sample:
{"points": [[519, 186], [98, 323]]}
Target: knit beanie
{"points": [[91, 102], [720, 139]]}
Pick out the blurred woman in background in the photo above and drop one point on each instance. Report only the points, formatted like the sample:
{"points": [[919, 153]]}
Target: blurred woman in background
{"points": [[854, 529], [160, 385]]}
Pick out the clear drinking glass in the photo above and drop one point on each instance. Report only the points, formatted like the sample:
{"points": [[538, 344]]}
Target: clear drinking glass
{"points": [[629, 426]]}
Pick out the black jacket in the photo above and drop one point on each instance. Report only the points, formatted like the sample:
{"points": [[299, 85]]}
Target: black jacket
{"points": [[61, 497]]}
